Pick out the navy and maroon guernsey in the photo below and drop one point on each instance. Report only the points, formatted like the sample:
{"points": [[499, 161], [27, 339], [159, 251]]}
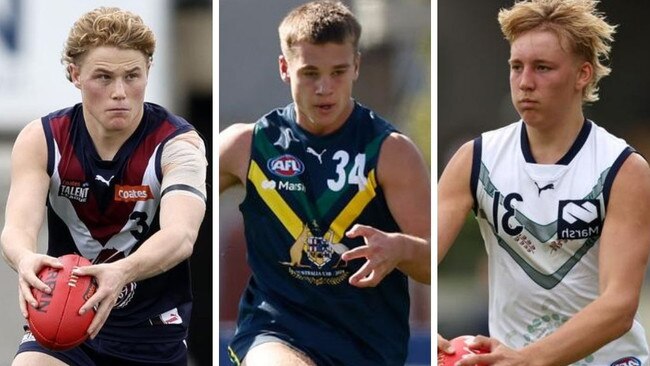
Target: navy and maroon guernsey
{"points": [[104, 210]]}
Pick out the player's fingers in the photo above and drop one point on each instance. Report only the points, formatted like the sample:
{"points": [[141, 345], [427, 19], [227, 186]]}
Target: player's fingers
{"points": [[52, 262], [91, 270], [103, 311], [445, 345], [481, 343], [365, 270], [371, 280], [26, 291], [360, 230], [22, 304], [358, 252]]}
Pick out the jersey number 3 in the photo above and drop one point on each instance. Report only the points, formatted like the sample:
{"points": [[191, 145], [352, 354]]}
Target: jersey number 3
{"points": [[510, 212]]}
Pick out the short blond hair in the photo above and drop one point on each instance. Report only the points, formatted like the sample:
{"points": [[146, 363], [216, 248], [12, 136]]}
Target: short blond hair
{"points": [[577, 24], [319, 22], [107, 26]]}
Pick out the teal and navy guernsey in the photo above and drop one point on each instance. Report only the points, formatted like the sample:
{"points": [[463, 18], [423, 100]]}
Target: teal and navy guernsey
{"points": [[303, 192]]}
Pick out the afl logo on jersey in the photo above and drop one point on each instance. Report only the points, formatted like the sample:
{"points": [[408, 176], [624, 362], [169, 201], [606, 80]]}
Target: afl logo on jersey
{"points": [[285, 166]]}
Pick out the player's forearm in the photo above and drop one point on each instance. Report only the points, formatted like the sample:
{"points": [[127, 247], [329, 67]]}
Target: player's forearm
{"points": [[602, 321], [161, 252], [15, 244], [417, 258]]}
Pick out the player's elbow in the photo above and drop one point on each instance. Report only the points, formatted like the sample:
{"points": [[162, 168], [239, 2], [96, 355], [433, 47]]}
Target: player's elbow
{"points": [[623, 312]]}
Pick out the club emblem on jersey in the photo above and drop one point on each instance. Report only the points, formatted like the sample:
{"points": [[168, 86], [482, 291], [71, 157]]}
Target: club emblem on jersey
{"points": [[74, 190], [579, 219], [286, 166], [310, 256], [627, 361]]}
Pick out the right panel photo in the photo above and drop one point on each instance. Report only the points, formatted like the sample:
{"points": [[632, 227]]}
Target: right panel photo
{"points": [[543, 183]]}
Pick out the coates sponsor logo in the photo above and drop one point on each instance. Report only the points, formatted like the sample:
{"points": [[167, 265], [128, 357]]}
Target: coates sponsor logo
{"points": [[627, 361], [132, 193], [74, 190], [285, 166]]}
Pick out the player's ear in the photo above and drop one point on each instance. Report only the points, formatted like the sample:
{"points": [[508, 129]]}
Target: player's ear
{"points": [[283, 65], [357, 64], [585, 74], [74, 72]]}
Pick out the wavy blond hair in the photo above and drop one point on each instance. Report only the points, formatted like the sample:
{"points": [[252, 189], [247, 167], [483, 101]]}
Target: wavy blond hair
{"points": [[319, 22], [107, 26], [577, 23]]}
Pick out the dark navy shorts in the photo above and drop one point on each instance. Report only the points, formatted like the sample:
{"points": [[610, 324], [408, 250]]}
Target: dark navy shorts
{"points": [[103, 352]]}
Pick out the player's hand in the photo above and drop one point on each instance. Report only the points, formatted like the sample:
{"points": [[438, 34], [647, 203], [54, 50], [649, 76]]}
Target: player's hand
{"points": [[499, 354], [110, 281], [382, 252], [445, 346], [28, 267]]}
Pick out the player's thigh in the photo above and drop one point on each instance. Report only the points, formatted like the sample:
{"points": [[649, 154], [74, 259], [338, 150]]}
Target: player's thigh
{"points": [[276, 354], [36, 358]]}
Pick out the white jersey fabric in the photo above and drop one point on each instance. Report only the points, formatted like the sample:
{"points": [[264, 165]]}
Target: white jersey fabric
{"points": [[541, 224]]}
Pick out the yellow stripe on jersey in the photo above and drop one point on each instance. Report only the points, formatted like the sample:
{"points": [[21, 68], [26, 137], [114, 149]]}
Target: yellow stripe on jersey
{"points": [[274, 201], [354, 208], [233, 357]]}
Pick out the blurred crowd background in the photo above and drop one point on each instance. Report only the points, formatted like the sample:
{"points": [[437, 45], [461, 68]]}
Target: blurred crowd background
{"points": [[474, 96], [394, 81], [33, 83]]}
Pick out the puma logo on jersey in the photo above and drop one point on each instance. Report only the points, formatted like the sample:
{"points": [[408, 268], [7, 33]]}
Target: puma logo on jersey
{"points": [[540, 190], [579, 219], [319, 156], [103, 180]]}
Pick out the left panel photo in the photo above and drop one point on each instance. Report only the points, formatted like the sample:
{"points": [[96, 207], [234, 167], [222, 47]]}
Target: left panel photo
{"points": [[105, 159]]}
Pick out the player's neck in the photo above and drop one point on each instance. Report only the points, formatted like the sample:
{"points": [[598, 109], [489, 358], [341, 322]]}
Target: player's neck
{"points": [[108, 142], [548, 145]]}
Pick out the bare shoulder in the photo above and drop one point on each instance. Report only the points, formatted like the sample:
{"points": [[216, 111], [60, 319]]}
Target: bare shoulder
{"points": [[234, 153], [396, 150], [30, 142], [235, 135], [399, 146], [634, 175]]}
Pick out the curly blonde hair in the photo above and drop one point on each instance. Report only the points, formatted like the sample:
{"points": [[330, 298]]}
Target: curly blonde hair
{"points": [[107, 26], [577, 24], [319, 22]]}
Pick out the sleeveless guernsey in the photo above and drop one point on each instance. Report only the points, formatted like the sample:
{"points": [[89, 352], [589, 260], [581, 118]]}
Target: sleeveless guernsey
{"points": [[104, 210], [541, 224], [302, 193]]}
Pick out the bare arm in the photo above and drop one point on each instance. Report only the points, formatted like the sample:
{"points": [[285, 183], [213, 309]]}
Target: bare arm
{"points": [[404, 178], [234, 153], [623, 256], [25, 211], [455, 198]]}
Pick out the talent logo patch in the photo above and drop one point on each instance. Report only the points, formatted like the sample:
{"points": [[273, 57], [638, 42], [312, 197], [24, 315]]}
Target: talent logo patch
{"points": [[627, 361], [285, 166], [74, 190], [579, 219], [132, 193]]}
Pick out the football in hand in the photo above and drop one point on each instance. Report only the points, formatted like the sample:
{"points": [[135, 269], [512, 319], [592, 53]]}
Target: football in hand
{"points": [[461, 346], [56, 323]]}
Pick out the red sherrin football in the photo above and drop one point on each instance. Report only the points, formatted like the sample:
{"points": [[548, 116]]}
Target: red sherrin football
{"points": [[461, 345], [56, 323]]}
